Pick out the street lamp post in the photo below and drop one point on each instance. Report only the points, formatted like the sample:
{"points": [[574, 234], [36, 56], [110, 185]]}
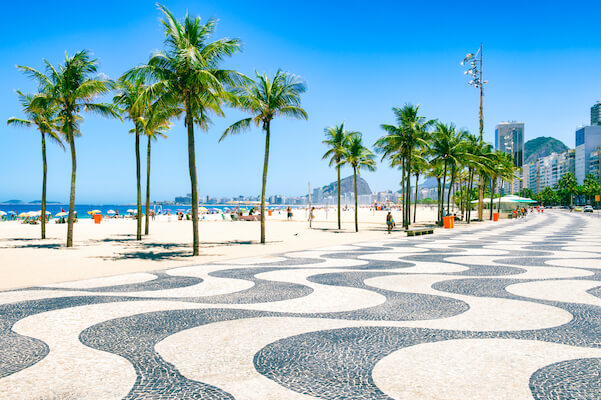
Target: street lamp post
{"points": [[474, 64]]}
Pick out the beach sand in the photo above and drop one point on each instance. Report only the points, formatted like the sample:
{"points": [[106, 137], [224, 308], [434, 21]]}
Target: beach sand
{"points": [[110, 248]]}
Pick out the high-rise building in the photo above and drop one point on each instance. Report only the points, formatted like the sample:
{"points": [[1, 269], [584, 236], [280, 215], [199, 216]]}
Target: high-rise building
{"points": [[509, 137], [596, 114], [547, 171], [588, 140]]}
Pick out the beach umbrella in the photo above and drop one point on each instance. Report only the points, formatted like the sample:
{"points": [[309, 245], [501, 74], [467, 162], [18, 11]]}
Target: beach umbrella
{"points": [[131, 211], [110, 212], [2, 213], [23, 215], [12, 212], [94, 212], [34, 213], [61, 214], [203, 209]]}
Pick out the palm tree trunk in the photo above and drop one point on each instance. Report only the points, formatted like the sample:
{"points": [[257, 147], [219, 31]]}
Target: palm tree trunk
{"points": [[72, 193], [147, 186], [338, 169], [444, 182], [356, 201], [43, 218], [500, 195], [492, 194], [138, 187], [450, 191], [460, 194], [264, 182], [403, 168], [415, 203], [408, 172], [470, 184], [193, 182], [438, 199]]}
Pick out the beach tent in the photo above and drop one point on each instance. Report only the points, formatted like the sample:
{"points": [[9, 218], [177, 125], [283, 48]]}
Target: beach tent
{"points": [[509, 202], [508, 199]]}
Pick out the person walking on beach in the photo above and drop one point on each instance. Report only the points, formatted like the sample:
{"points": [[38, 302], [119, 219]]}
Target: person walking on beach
{"points": [[289, 213], [389, 222]]}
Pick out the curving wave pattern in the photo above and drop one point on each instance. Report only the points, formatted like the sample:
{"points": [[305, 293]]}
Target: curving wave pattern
{"points": [[398, 318]]}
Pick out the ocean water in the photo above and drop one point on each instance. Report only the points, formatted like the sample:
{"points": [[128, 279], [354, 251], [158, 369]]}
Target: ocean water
{"points": [[82, 209]]}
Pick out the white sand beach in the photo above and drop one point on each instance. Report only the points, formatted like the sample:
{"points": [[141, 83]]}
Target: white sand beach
{"points": [[110, 247]]}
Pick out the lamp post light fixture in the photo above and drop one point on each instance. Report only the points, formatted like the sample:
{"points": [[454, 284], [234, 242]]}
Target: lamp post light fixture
{"points": [[473, 61]]}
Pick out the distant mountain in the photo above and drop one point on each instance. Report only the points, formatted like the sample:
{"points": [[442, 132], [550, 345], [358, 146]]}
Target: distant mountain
{"points": [[542, 147], [47, 202], [346, 186], [12, 202]]}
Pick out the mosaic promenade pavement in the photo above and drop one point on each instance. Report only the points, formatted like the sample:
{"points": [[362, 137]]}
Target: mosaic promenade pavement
{"points": [[504, 311]]}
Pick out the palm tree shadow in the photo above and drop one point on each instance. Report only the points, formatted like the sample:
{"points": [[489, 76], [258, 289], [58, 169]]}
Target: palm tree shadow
{"points": [[150, 255], [35, 246]]}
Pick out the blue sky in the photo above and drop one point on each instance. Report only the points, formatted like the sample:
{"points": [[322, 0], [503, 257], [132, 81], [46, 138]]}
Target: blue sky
{"points": [[358, 58]]}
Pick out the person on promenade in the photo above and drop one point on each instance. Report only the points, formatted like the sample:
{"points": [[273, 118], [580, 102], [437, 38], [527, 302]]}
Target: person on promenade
{"points": [[389, 222]]}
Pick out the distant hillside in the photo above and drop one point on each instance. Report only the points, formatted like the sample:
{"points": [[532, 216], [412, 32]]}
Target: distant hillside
{"points": [[542, 147], [346, 186], [12, 202]]}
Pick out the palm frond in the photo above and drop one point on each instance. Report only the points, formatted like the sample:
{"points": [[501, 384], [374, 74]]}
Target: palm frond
{"points": [[236, 128]]}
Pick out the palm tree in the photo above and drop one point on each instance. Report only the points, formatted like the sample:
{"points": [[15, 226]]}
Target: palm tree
{"points": [[419, 165], [447, 148], [128, 101], [567, 186], [400, 142], [72, 90], [155, 122], [501, 169], [472, 148], [358, 156], [266, 99], [188, 75], [337, 139], [41, 113]]}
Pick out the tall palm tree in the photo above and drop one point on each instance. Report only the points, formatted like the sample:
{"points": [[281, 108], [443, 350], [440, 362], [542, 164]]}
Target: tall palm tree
{"points": [[337, 139], [447, 148], [472, 161], [266, 99], [128, 101], [188, 76], [41, 113], [155, 122], [73, 90], [399, 143], [358, 156], [419, 165]]}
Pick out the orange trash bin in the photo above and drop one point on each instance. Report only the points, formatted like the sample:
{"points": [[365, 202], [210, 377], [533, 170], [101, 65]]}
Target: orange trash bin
{"points": [[449, 222], [97, 218], [495, 216]]}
